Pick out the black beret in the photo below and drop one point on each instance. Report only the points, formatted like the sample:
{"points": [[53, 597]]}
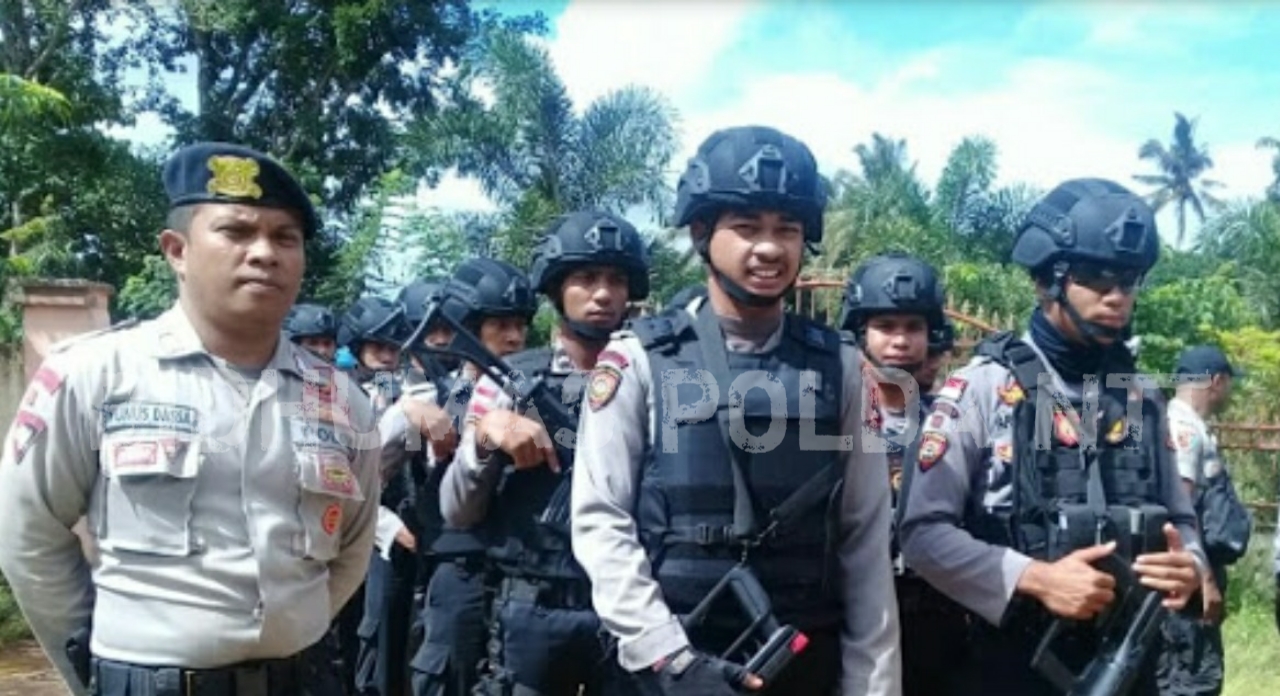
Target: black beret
{"points": [[226, 173]]}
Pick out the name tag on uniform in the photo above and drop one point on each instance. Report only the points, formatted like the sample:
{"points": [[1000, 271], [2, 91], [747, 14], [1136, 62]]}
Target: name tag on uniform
{"points": [[148, 457]]}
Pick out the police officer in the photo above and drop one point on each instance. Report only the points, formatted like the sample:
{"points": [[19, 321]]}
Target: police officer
{"points": [[224, 471], [1192, 661], [494, 301], [372, 329], [544, 639], [894, 308], [942, 341], [408, 448], [1008, 502], [313, 327], [669, 493]]}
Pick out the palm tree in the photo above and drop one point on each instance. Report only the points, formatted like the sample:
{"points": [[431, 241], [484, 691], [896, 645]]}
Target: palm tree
{"points": [[519, 134], [1273, 191], [1182, 166], [1248, 234]]}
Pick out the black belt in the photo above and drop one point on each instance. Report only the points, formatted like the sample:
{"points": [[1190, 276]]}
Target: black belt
{"points": [[549, 593], [258, 678]]}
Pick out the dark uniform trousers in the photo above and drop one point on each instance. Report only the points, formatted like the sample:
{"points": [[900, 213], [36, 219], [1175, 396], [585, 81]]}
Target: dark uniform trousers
{"points": [[935, 634], [309, 673], [385, 629], [345, 635], [447, 663], [999, 662], [1191, 660], [545, 640]]}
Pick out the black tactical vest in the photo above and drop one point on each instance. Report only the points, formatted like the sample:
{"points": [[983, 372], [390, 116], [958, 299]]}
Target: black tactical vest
{"points": [[450, 542], [1051, 513], [687, 495], [522, 542]]}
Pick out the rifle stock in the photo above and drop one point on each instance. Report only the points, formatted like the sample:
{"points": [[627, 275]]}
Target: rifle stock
{"points": [[781, 644], [1129, 630], [527, 394]]}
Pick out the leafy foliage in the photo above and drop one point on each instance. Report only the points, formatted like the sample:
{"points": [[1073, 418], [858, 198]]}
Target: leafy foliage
{"points": [[514, 129], [1182, 165]]}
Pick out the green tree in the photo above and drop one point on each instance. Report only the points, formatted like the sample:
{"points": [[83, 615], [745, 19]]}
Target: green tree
{"points": [[514, 129], [1249, 234], [73, 201], [1182, 166], [1269, 143], [324, 87], [885, 207], [1187, 311], [986, 218], [673, 266]]}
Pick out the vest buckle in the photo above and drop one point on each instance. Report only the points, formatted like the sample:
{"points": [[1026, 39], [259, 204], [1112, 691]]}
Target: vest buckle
{"points": [[712, 535]]}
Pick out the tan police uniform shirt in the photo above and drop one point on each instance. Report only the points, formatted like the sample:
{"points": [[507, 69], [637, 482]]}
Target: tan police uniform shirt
{"points": [[612, 441], [469, 484], [965, 462], [234, 517]]}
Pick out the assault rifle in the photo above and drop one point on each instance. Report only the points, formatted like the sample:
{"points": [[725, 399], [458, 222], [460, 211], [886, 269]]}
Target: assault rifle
{"points": [[526, 391], [1129, 629], [780, 645]]}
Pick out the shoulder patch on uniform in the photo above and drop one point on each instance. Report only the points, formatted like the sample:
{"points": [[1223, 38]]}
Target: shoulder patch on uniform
{"points": [[64, 344], [1004, 451], [605, 380], [613, 357], [953, 388], [932, 447], [1117, 433], [1184, 436], [1064, 429], [1011, 393], [27, 426], [939, 422]]}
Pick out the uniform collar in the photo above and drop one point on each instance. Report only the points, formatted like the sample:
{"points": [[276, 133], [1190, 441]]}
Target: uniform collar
{"points": [[561, 363], [1184, 409], [177, 338]]}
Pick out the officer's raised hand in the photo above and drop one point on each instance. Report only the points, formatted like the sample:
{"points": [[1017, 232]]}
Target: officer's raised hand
{"points": [[691, 673], [1172, 572], [522, 439], [434, 423], [1071, 587]]}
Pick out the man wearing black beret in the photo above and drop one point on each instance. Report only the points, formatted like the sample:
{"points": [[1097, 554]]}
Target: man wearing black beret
{"points": [[229, 477]]}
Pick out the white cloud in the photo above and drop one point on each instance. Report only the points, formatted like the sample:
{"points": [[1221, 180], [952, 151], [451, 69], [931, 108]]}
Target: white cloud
{"points": [[1051, 118], [669, 46]]}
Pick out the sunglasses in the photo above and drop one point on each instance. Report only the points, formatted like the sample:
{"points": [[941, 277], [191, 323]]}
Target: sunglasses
{"points": [[1104, 280]]}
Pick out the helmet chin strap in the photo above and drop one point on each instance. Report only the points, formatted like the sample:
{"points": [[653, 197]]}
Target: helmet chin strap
{"points": [[1091, 331], [909, 368], [588, 332], [734, 290]]}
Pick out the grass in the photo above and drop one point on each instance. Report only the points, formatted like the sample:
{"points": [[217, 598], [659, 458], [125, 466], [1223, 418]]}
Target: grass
{"points": [[12, 626], [1250, 637]]}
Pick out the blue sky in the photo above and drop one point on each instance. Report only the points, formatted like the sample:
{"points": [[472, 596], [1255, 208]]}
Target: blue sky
{"points": [[1064, 89]]}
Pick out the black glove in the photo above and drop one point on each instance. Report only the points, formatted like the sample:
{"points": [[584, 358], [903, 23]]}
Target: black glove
{"points": [[77, 650], [690, 673]]}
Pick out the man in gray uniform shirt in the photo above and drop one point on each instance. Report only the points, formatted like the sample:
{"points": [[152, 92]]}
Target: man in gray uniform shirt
{"points": [[655, 482], [1006, 505], [230, 478]]}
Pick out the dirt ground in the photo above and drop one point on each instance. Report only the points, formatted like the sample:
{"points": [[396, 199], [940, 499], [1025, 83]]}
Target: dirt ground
{"points": [[24, 671]]}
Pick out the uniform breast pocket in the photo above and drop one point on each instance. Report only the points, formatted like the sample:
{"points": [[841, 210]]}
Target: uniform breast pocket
{"points": [[327, 484], [146, 494]]}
